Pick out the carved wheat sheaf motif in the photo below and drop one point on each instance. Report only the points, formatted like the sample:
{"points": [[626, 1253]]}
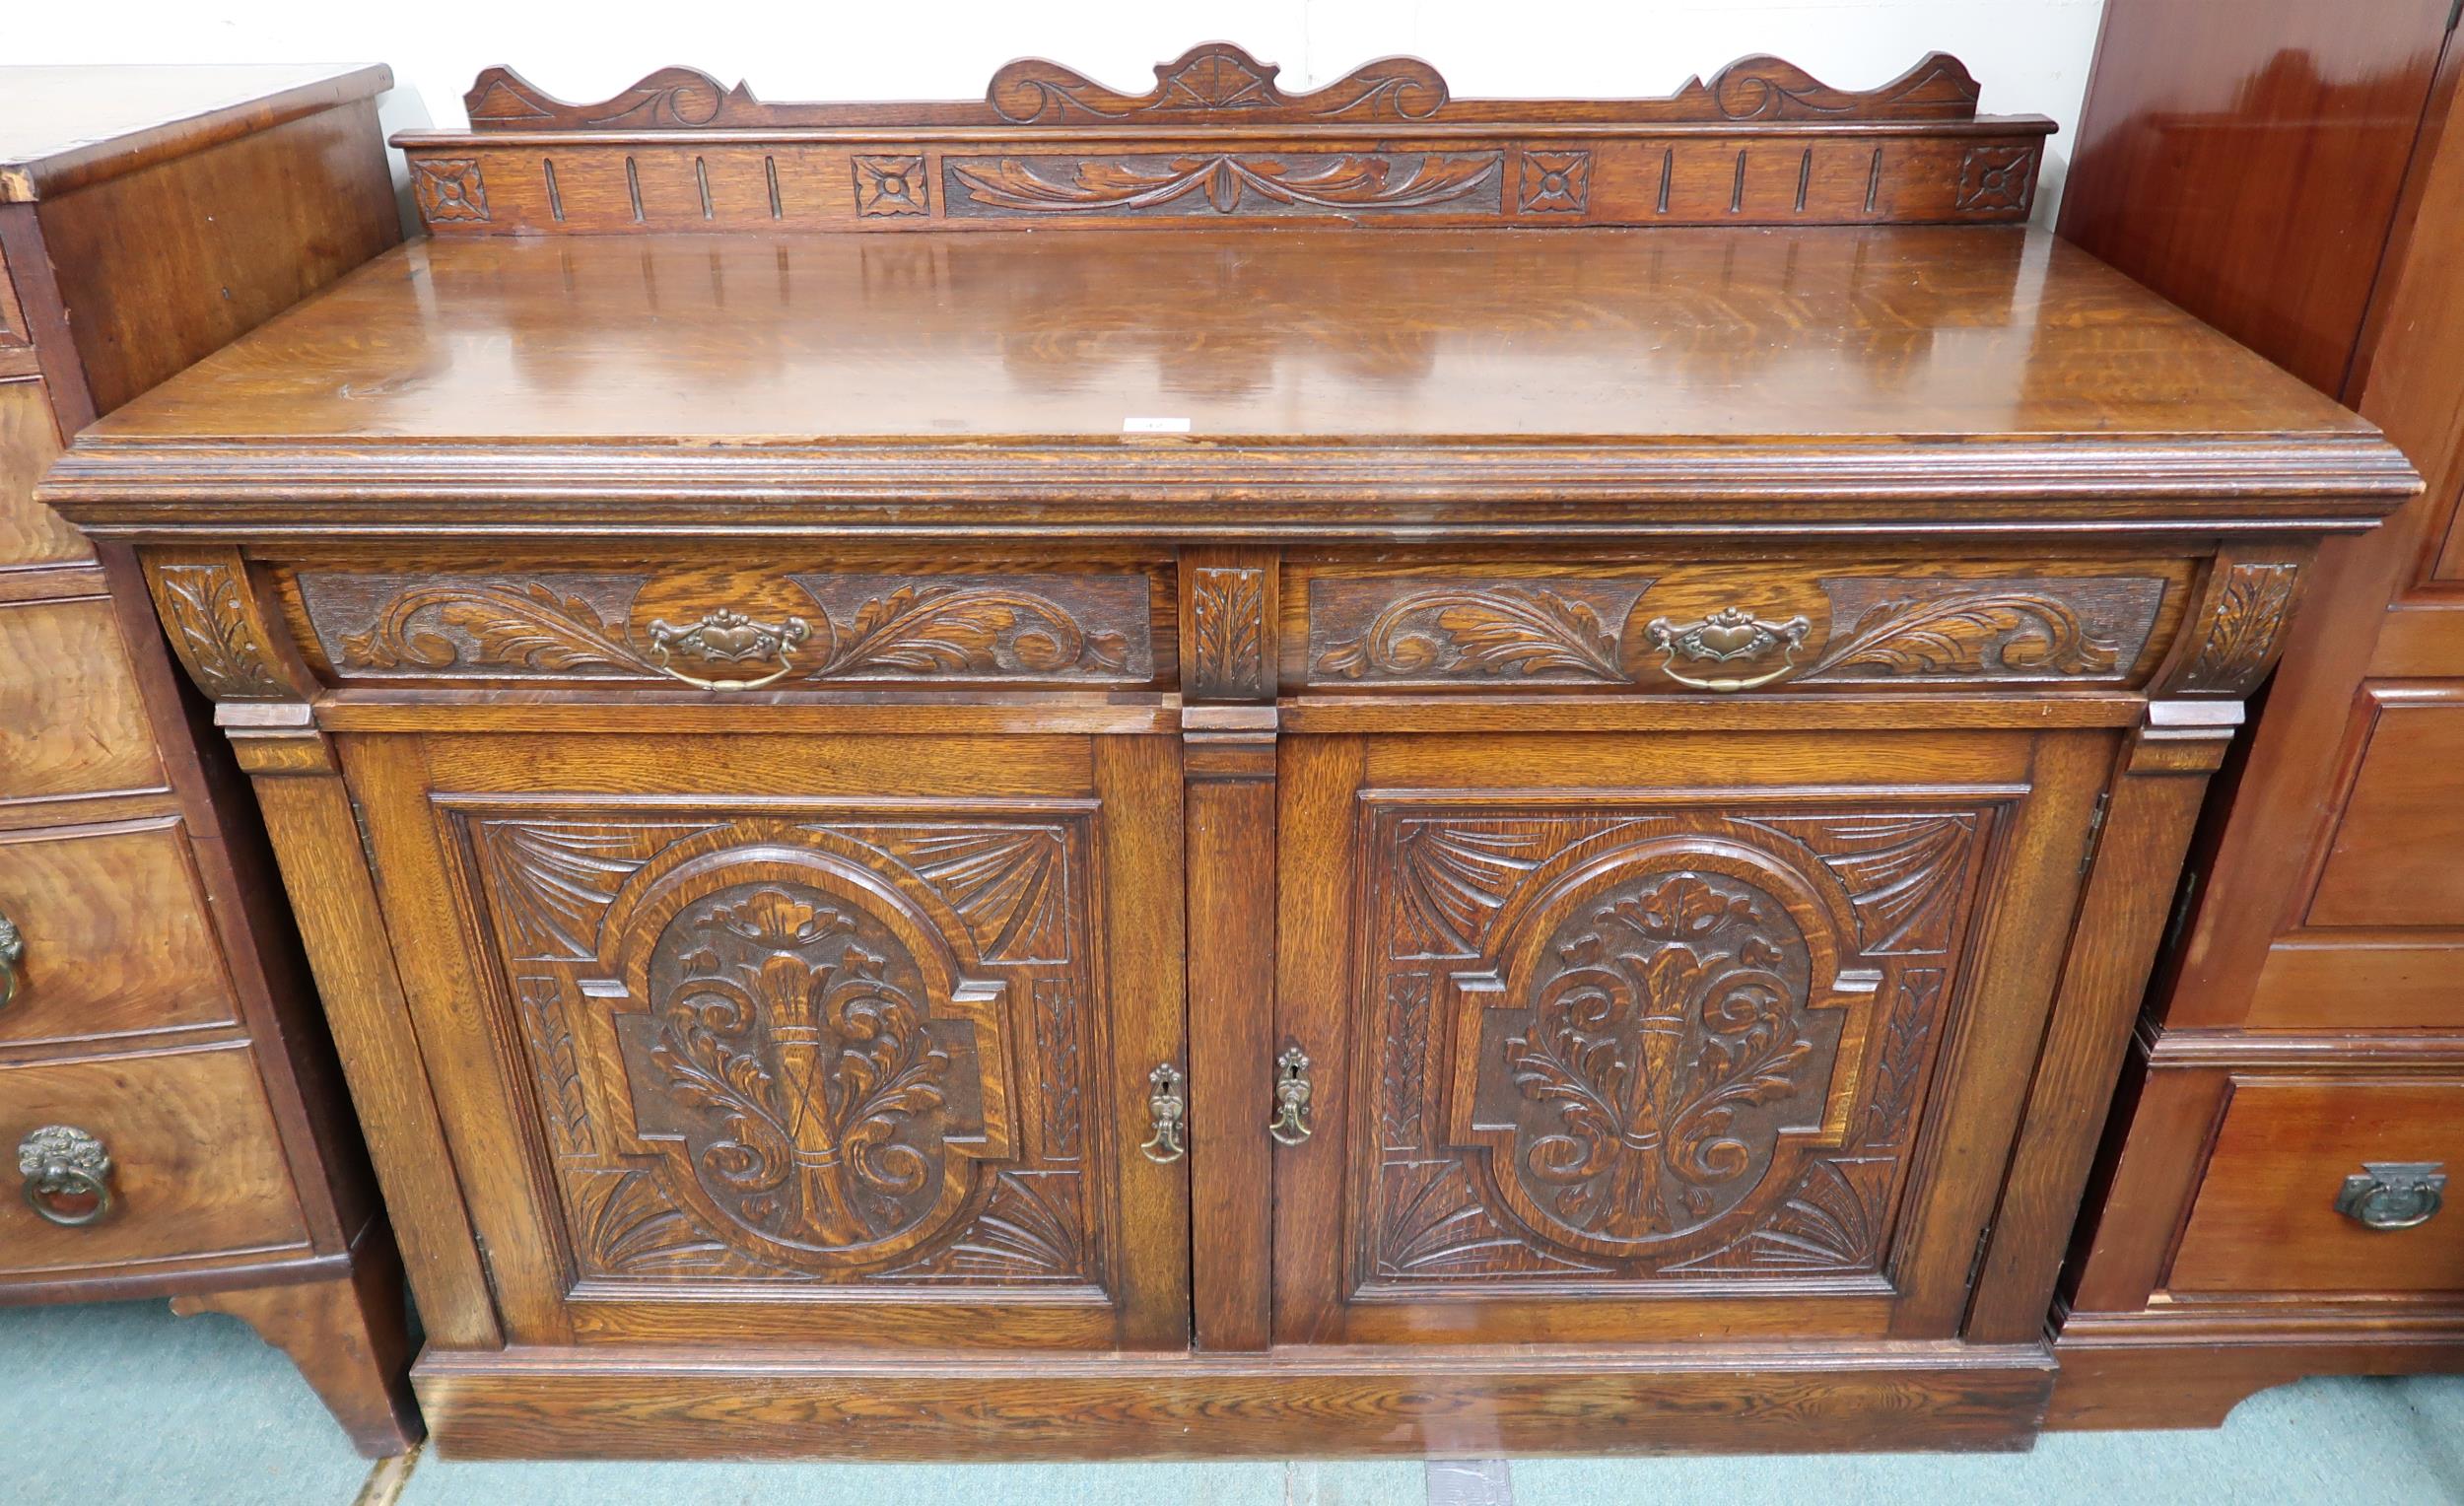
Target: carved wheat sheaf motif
{"points": [[2241, 630], [957, 627], [559, 1070], [1479, 630], [202, 606], [1224, 183]]}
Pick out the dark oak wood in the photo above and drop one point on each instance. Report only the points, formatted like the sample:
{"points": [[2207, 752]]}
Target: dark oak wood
{"points": [[148, 216], [1242, 836], [2288, 171]]}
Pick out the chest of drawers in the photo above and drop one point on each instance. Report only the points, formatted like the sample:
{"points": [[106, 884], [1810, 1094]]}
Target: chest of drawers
{"points": [[1505, 783], [171, 1117]]}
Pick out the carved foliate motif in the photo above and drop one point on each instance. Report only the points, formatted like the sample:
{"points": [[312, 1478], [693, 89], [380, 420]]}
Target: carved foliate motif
{"points": [[450, 187], [2238, 639], [1555, 182], [1354, 182], [892, 185], [866, 628], [1228, 620], [1997, 179], [802, 1036], [202, 606], [1471, 630], [1682, 1046], [2082, 628], [1216, 80]]}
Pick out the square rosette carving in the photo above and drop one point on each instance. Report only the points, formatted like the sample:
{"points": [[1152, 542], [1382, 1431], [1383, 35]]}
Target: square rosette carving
{"points": [[892, 185], [1555, 182], [450, 187], [1997, 177]]}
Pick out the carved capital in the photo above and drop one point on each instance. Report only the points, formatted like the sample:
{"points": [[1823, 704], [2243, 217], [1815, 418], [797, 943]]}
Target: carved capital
{"points": [[2240, 621], [1227, 628], [219, 628]]}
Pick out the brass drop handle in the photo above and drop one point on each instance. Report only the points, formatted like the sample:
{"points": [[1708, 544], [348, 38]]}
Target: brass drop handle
{"points": [[62, 1161], [12, 952], [2394, 1195], [1290, 1124], [1167, 1112], [727, 637], [1728, 636]]}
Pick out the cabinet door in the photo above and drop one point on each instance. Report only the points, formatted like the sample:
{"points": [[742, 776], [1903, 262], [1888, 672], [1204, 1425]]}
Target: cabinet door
{"points": [[757, 1038], [1664, 1037]]}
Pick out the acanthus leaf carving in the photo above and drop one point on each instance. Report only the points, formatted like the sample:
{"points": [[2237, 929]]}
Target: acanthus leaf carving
{"points": [[1457, 631], [1990, 631], [982, 628], [2239, 636], [1224, 183], [1227, 621], [202, 606]]}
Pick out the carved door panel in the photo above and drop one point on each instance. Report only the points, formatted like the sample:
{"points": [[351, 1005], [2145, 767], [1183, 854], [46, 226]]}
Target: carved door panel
{"points": [[1668, 1037], [800, 1038]]}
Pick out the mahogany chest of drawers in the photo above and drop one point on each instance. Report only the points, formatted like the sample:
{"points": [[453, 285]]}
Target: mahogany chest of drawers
{"points": [[1229, 770], [169, 1105]]}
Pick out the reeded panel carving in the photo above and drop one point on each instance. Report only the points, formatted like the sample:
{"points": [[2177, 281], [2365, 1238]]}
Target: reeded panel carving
{"points": [[820, 627], [1634, 1044], [849, 1048]]}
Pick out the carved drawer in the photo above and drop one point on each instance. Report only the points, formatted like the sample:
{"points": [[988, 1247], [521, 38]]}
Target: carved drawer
{"points": [[2321, 1183], [105, 935], [819, 622], [160, 1155], [1675, 626], [71, 723]]}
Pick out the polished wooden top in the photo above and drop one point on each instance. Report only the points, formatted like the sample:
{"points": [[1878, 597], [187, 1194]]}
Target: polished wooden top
{"points": [[64, 126], [1911, 361]]}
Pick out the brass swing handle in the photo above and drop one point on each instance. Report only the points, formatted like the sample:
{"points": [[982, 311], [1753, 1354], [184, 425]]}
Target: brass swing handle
{"points": [[1168, 1112], [2394, 1195], [1290, 1124], [1728, 636], [63, 1161], [726, 636], [12, 952]]}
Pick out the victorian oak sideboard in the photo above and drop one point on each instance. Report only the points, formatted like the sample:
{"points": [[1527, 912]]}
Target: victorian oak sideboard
{"points": [[168, 1096], [2270, 1202], [1231, 769]]}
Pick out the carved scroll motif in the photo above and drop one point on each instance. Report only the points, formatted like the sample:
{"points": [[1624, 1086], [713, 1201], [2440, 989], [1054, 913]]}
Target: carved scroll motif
{"points": [[2085, 628], [1218, 82], [1471, 630], [868, 628]]}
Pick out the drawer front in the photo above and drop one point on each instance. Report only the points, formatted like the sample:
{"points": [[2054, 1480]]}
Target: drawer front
{"points": [[1689, 626], [29, 532], [2266, 1217], [112, 936], [70, 720], [196, 1167], [852, 618]]}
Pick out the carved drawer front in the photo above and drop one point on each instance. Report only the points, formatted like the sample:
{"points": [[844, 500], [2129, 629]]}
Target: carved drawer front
{"points": [[181, 1143], [2329, 1185], [815, 626], [70, 721], [828, 1058], [29, 532], [1678, 627], [1642, 1063], [106, 934]]}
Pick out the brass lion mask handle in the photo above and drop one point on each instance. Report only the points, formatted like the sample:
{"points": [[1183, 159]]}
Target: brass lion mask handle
{"points": [[60, 1161]]}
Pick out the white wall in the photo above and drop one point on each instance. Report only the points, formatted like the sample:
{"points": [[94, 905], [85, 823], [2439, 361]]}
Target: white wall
{"points": [[2031, 56]]}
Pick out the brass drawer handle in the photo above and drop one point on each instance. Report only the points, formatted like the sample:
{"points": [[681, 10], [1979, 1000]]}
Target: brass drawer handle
{"points": [[12, 952], [726, 636], [2394, 1195], [1290, 1124], [1166, 1111], [63, 1161], [1728, 636]]}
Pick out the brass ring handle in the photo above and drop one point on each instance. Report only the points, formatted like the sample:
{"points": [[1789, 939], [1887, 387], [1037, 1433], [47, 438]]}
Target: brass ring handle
{"points": [[63, 1161], [1725, 637], [1290, 1124], [726, 636], [12, 952], [2394, 1195], [1168, 1113]]}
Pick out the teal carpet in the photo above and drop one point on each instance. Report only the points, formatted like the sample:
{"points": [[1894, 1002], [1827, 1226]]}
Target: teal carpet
{"points": [[100, 1406]]}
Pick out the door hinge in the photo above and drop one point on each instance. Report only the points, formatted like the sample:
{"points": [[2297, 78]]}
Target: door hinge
{"points": [[1976, 1259], [2095, 829]]}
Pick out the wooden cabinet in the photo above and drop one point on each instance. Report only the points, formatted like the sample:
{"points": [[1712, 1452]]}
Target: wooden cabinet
{"points": [[169, 1105], [1257, 837], [2289, 172]]}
